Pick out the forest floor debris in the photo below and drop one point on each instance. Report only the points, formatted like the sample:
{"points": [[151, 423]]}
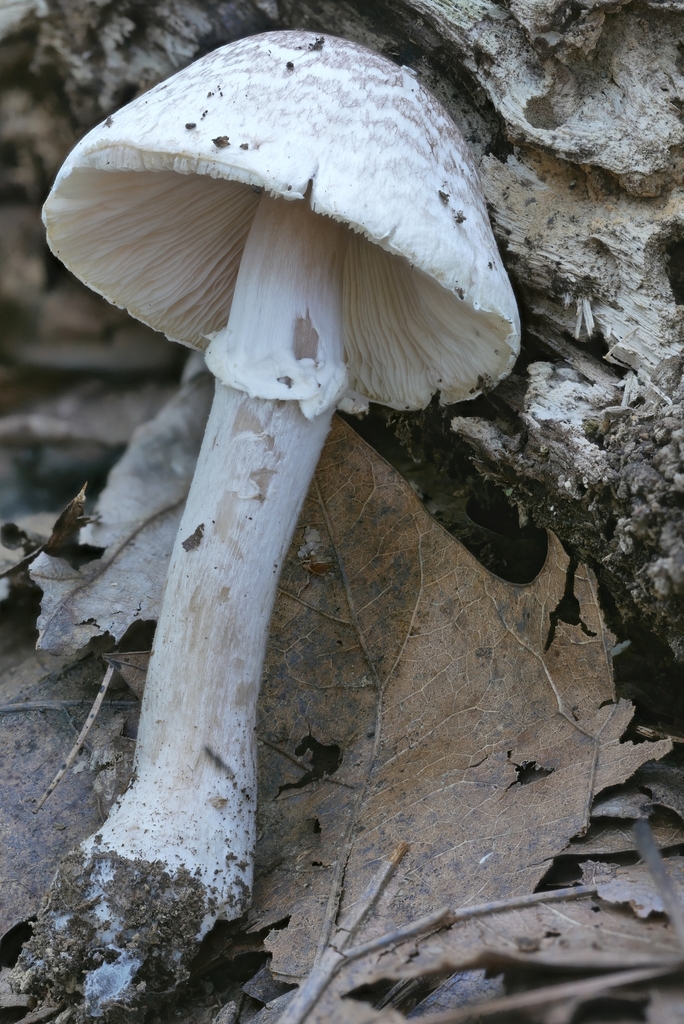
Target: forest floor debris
{"points": [[533, 694]]}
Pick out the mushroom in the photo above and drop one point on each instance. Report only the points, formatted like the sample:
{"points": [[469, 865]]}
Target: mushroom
{"points": [[307, 214]]}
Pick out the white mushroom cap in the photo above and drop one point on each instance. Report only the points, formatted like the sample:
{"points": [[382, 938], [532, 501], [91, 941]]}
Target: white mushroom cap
{"points": [[427, 303]]}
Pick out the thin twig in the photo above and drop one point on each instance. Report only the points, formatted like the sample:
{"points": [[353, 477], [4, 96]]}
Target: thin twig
{"points": [[358, 912], [551, 994], [59, 705], [286, 753], [447, 917], [646, 845], [73, 753], [312, 608], [324, 971], [302, 764], [336, 955]]}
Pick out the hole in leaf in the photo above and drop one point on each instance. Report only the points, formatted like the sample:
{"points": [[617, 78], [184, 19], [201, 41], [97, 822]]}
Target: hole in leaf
{"points": [[528, 772], [567, 609], [278, 926], [138, 637], [515, 553], [323, 760]]}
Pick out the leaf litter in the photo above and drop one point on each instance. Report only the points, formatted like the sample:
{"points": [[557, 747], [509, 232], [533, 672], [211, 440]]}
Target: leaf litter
{"points": [[68, 522], [456, 719], [434, 679], [137, 518], [35, 737]]}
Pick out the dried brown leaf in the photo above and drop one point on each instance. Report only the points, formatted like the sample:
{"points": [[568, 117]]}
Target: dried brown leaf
{"points": [[629, 803], [33, 745], [132, 667], [604, 839], [348, 1011], [28, 534], [585, 934], [665, 783], [463, 989], [561, 1003], [67, 523], [138, 516], [433, 681], [69, 520], [634, 885]]}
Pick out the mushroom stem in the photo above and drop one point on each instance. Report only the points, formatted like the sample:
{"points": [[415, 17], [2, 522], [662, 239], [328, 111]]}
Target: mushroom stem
{"points": [[193, 801], [192, 805]]}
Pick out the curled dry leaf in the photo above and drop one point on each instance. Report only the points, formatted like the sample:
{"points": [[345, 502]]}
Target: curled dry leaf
{"points": [[68, 522], [17, 540], [634, 885], [652, 784], [628, 803], [132, 667], [604, 838], [665, 784], [65, 526], [585, 934], [138, 516]]}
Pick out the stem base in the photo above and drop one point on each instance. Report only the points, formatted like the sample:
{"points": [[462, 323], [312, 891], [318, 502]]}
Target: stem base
{"points": [[130, 935]]}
